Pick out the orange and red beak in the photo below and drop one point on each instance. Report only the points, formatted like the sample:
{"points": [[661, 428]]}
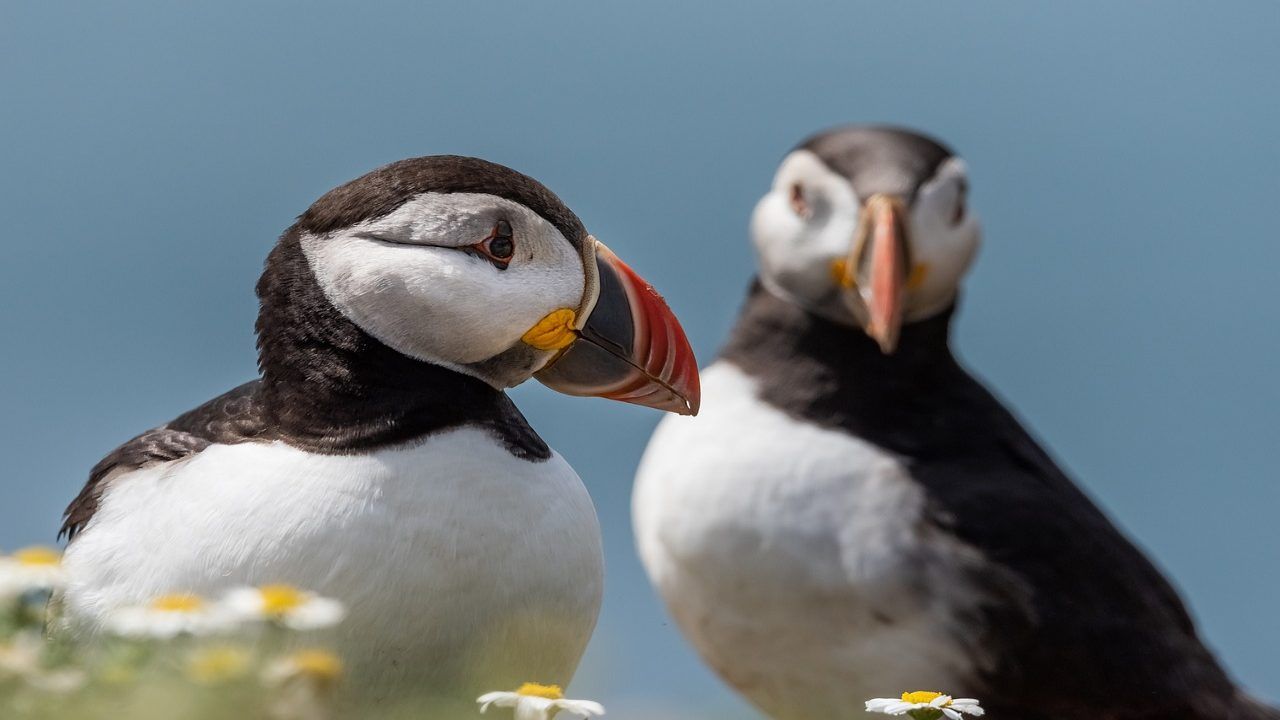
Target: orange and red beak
{"points": [[875, 274], [630, 348]]}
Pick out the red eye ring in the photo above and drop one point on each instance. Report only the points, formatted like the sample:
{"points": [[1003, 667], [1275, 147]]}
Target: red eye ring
{"points": [[499, 247], [798, 204], [962, 197]]}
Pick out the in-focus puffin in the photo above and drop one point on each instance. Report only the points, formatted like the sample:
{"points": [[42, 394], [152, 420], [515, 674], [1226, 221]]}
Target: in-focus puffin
{"points": [[853, 515], [378, 460]]}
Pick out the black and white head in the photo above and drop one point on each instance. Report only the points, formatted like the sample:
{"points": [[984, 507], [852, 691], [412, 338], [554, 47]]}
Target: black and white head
{"points": [[472, 266], [867, 226]]}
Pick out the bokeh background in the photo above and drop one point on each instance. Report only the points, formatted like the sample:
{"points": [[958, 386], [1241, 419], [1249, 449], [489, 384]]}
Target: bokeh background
{"points": [[1124, 158]]}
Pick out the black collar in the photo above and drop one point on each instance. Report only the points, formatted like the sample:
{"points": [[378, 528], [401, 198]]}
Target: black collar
{"points": [[911, 402]]}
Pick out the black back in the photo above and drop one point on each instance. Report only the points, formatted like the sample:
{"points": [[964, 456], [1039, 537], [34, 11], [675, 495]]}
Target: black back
{"points": [[1082, 624]]}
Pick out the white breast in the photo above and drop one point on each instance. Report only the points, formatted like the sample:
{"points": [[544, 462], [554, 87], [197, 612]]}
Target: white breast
{"points": [[461, 565], [794, 559]]}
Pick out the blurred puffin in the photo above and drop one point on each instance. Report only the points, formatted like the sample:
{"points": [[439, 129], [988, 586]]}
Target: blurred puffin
{"points": [[853, 515], [378, 460]]}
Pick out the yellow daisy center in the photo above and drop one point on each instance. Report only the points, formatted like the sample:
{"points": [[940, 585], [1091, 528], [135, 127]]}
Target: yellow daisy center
{"points": [[280, 599], [217, 664], [318, 664], [178, 602], [42, 556], [920, 696], [550, 692]]}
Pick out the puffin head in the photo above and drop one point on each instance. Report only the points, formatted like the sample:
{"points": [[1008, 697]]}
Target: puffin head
{"points": [[867, 226], [472, 266]]}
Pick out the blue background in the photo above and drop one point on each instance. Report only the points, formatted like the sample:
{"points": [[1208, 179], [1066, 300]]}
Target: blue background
{"points": [[1123, 157]]}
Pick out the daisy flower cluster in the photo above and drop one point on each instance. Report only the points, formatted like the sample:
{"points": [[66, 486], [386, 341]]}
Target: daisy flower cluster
{"points": [[28, 577], [247, 652], [169, 616], [227, 657], [295, 685]]}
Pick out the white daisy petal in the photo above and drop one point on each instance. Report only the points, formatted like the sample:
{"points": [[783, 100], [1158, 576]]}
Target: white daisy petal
{"points": [[246, 601], [969, 706], [499, 698], [585, 708], [951, 714], [535, 708], [317, 613]]}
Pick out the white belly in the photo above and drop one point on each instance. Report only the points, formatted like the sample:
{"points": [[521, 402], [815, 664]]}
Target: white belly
{"points": [[794, 560], [462, 567]]}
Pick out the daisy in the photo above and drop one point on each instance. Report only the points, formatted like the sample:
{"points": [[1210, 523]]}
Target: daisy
{"points": [[218, 664], [925, 705], [20, 656], [285, 604], [23, 657], [169, 616], [320, 668], [302, 684], [539, 702], [31, 569]]}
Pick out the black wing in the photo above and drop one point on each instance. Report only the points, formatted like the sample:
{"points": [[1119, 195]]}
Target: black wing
{"points": [[1104, 634], [234, 417]]}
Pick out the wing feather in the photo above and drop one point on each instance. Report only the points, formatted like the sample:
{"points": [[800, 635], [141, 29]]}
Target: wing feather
{"points": [[231, 418]]}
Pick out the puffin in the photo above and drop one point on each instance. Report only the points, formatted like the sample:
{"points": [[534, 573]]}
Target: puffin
{"points": [[854, 515], [377, 460]]}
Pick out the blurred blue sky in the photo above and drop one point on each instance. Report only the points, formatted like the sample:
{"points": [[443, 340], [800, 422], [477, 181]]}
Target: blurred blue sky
{"points": [[1123, 156]]}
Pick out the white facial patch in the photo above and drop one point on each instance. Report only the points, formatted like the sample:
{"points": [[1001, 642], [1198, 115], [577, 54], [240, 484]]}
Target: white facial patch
{"points": [[809, 218], [407, 279], [795, 249], [943, 245]]}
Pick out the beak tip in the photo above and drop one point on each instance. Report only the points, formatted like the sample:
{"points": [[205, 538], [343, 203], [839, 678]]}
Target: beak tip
{"points": [[686, 404], [886, 342]]}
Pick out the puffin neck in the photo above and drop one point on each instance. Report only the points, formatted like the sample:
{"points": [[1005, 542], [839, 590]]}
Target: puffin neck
{"points": [[771, 326], [917, 401], [328, 385]]}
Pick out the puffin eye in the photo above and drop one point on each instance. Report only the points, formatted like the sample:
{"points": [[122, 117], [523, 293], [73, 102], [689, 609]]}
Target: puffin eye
{"points": [[798, 204], [499, 247], [962, 192], [502, 248]]}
